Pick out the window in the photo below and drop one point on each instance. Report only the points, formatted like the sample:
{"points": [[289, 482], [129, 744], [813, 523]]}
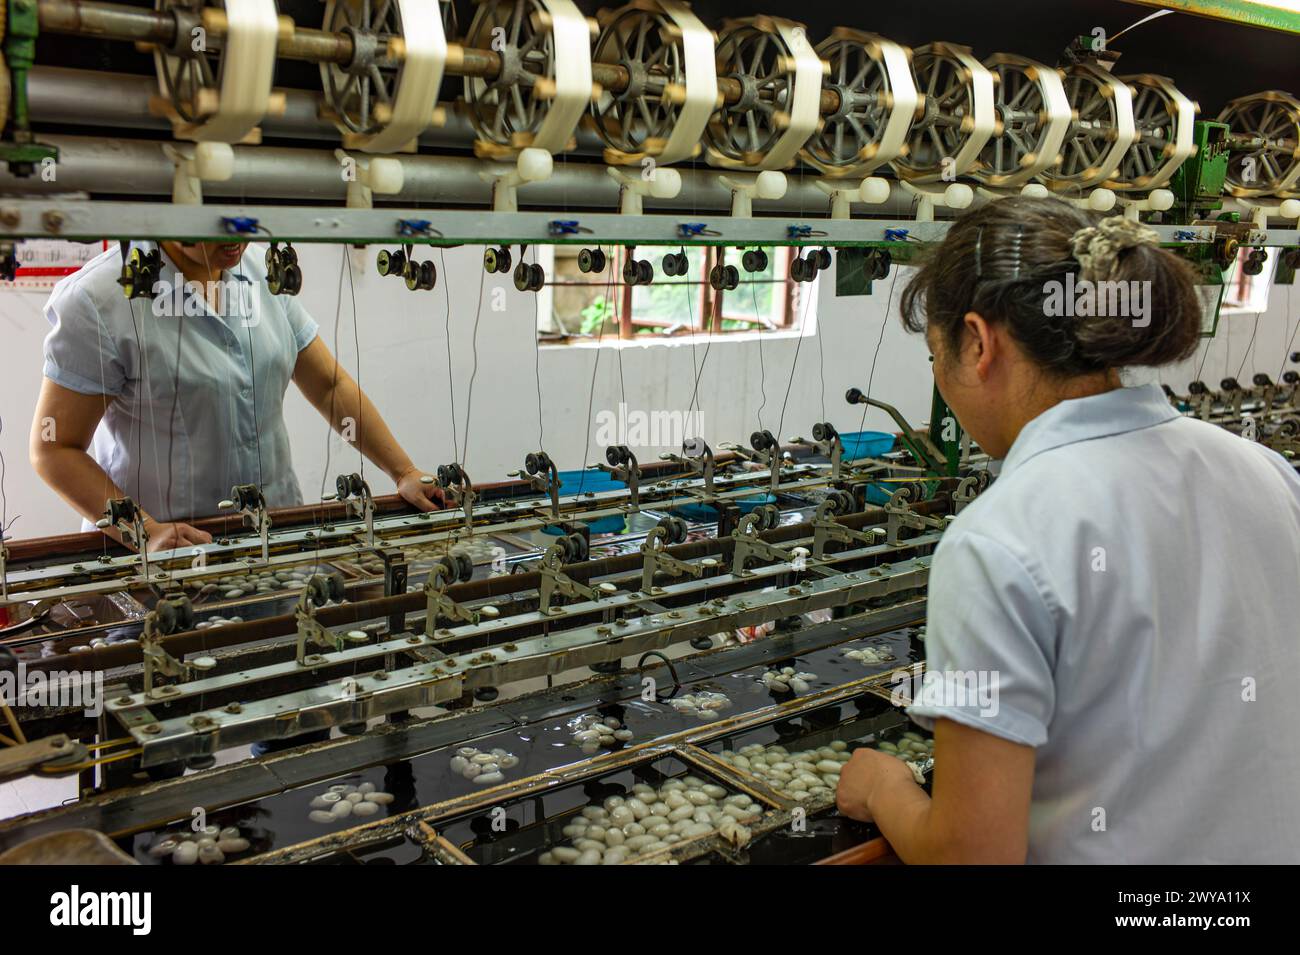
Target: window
{"points": [[586, 306]]}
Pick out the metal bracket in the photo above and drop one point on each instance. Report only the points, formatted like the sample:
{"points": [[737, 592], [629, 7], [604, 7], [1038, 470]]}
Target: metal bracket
{"points": [[968, 488], [747, 544], [900, 515], [827, 530], [123, 514], [826, 440], [455, 481], [766, 452], [655, 559], [247, 499], [700, 464], [540, 473], [319, 591], [555, 582], [172, 614], [354, 494], [622, 466], [449, 569], [396, 573]]}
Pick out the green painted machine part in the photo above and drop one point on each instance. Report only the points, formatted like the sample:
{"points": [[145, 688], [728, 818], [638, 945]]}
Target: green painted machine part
{"points": [[945, 432], [19, 150], [1271, 16], [1198, 184], [857, 267]]}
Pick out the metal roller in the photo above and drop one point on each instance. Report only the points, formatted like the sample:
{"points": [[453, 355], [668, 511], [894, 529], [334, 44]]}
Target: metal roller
{"points": [[959, 116], [1033, 119], [1101, 132], [544, 83], [877, 102], [1265, 141], [779, 76], [218, 92], [1163, 119], [672, 88], [386, 95]]}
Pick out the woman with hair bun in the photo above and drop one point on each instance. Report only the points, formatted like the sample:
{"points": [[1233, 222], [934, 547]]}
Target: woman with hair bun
{"points": [[1114, 624]]}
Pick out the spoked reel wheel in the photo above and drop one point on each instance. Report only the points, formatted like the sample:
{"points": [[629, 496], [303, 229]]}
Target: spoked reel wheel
{"points": [[959, 116], [878, 101], [539, 94], [779, 76], [1033, 119], [668, 54], [221, 92], [1101, 131], [386, 96], [1265, 139], [1163, 118]]}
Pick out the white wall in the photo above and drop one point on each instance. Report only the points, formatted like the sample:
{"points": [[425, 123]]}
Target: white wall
{"points": [[404, 368], [1232, 353]]}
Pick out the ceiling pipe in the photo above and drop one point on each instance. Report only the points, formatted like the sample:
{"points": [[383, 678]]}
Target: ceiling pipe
{"points": [[139, 168]]}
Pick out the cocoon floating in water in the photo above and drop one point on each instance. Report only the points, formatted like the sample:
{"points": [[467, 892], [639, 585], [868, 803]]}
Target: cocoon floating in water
{"points": [[187, 853]]}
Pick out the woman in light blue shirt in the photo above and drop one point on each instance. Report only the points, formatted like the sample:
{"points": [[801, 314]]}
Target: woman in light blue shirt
{"points": [[176, 399], [1114, 625]]}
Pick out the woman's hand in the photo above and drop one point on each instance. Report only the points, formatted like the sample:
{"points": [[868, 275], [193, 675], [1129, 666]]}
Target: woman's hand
{"points": [[424, 495], [172, 535], [866, 772]]}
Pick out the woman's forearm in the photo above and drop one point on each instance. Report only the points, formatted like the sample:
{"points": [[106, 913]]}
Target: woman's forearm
{"points": [[903, 813], [77, 478]]}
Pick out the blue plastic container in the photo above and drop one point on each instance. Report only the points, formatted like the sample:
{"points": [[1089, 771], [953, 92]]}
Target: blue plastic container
{"points": [[592, 481], [866, 444], [589, 480], [705, 513]]}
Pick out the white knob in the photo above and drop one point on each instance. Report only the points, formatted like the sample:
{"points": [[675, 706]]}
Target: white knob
{"points": [[1034, 190], [534, 164], [214, 162], [958, 195], [1289, 209], [385, 176], [489, 611], [1101, 200], [874, 190], [665, 183], [770, 184], [1160, 200]]}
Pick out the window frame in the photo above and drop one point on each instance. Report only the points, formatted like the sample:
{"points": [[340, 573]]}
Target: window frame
{"points": [[710, 305]]}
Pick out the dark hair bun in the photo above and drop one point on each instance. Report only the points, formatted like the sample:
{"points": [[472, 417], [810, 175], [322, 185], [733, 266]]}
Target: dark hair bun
{"points": [[1079, 294]]}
